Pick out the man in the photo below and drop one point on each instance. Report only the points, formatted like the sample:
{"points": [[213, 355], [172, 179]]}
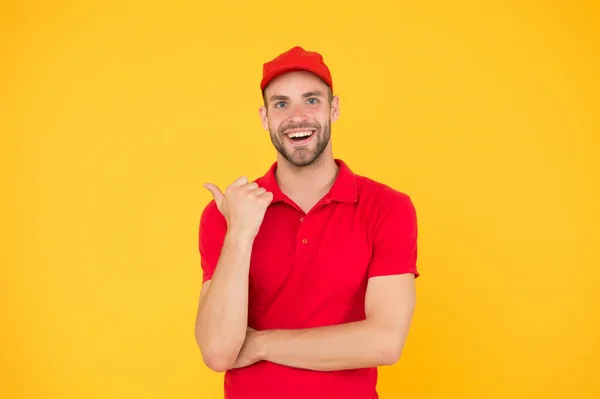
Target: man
{"points": [[309, 271]]}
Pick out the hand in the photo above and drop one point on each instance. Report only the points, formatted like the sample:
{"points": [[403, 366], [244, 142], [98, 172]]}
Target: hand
{"points": [[252, 351], [243, 205]]}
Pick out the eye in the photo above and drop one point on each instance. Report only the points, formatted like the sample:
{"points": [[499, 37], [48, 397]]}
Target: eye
{"points": [[313, 100], [279, 104]]}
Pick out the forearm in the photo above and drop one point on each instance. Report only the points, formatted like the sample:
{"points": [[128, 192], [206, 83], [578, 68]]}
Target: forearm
{"points": [[223, 312], [347, 346]]}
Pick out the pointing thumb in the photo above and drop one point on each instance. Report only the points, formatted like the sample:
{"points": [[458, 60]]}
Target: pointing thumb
{"points": [[215, 191]]}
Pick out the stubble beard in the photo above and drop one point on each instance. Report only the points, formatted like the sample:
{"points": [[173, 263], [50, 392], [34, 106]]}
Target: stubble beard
{"points": [[305, 156]]}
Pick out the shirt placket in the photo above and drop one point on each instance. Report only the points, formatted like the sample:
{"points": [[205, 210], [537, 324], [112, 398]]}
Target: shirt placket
{"points": [[304, 242]]}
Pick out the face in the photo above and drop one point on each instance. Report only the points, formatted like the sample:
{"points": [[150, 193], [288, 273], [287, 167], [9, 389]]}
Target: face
{"points": [[298, 114]]}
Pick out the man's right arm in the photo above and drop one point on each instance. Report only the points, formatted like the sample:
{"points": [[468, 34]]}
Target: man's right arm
{"points": [[222, 317], [227, 229]]}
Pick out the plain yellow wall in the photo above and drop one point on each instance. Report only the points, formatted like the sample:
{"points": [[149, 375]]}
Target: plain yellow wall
{"points": [[114, 114]]}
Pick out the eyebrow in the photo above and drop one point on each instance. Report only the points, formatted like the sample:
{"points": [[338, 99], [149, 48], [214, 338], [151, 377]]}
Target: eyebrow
{"points": [[276, 97], [315, 93]]}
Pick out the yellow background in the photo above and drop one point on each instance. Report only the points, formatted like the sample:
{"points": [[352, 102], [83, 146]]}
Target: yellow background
{"points": [[113, 114]]}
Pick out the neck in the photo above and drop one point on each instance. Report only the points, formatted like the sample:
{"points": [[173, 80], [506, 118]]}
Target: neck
{"points": [[307, 185]]}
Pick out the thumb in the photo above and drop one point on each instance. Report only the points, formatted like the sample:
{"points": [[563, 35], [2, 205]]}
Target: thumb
{"points": [[215, 191]]}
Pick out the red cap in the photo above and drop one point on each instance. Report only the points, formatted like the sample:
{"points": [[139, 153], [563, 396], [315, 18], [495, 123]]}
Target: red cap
{"points": [[296, 59]]}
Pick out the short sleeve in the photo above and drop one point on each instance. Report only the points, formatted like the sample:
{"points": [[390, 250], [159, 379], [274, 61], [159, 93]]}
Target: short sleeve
{"points": [[213, 227], [394, 236]]}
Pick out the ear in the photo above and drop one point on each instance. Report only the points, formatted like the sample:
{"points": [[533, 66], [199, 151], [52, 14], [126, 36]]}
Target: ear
{"points": [[335, 109], [262, 111]]}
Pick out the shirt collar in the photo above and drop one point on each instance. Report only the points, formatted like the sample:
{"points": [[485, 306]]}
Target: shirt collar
{"points": [[343, 190]]}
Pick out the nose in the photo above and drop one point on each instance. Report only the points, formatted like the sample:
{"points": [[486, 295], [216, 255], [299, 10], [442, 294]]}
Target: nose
{"points": [[297, 113]]}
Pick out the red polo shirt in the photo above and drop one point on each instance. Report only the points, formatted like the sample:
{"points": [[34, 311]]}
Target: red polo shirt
{"points": [[311, 270]]}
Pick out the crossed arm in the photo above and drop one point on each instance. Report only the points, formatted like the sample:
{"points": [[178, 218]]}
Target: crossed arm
{"points": [[376, 341]]}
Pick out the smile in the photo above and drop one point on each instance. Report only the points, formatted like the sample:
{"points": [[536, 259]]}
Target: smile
{"points": [[300, 135]]}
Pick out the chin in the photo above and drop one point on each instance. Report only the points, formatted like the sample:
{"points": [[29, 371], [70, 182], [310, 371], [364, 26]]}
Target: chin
{"points": [[302, 161]]}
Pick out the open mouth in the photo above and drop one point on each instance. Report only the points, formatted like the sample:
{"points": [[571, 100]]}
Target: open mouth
{"points": [[300, 136]]}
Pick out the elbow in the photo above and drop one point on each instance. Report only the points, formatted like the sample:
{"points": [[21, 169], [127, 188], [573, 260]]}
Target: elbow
{"points": [[217, 362], [218, 357], [391, 350], [391, 355], [391, 344]]}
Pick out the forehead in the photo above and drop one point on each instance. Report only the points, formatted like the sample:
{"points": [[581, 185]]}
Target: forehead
{"points": [[295, 83]]}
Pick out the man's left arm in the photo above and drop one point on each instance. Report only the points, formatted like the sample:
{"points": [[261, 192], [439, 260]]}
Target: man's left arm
{"points": [[376, 341], [389, 304]]}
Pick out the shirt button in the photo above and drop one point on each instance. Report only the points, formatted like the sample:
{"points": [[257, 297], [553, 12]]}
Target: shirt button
{"points": [[304, 241], [302, 219]]}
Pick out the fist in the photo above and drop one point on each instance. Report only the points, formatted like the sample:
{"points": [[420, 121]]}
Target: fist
{"points": [[243, 204]]}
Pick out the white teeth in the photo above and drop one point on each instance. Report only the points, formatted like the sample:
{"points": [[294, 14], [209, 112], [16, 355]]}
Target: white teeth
{"points": [[300, 134]]}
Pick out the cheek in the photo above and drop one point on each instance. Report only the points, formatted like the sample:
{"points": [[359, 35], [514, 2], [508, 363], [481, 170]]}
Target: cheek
{"points": [[275, 120], [274, 124], [322, 114]]}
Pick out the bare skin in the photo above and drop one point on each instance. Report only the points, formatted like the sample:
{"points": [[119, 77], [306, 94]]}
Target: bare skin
{"points": [[223, 309]]}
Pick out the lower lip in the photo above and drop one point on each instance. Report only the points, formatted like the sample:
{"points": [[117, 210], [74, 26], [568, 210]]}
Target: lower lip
{"points": [[303, 142]]}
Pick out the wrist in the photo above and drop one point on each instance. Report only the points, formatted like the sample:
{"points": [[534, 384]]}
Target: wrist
{"points": [[239, 237], [262, 340]]}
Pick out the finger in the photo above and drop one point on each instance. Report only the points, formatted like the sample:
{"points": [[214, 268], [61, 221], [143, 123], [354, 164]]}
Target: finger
{"points": [[267, 197], [215, 191], [257, 192], [249, 186], [240, 181]]}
